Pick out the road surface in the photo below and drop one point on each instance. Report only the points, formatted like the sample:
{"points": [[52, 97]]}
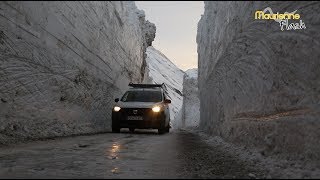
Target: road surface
{"points": [[143, 154]]}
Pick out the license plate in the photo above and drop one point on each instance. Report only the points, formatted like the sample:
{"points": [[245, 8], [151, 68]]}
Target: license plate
{"points": [[135, 118]]}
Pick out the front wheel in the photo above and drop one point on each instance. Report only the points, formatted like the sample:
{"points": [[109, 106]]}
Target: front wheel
{"points": [[168, 128], [115, 128], [161, 130], [131, 129], [162, 127]]}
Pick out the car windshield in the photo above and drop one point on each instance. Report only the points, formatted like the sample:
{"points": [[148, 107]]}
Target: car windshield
{"points": [[142, 96]]}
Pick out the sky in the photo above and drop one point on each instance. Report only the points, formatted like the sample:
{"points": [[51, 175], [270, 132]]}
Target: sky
{"points": [[176, 23]]}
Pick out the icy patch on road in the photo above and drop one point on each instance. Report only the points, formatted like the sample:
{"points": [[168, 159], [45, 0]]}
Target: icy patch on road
{"points": [[273, 166]]}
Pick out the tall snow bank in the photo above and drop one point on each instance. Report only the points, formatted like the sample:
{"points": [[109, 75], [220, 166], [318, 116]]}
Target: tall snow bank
{"points": [[63, 63], [260, 86], [160, 70], [191, 103]]}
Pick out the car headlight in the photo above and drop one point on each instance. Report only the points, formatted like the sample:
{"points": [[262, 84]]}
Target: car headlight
{"points": [[116, 108], [156, 109]]}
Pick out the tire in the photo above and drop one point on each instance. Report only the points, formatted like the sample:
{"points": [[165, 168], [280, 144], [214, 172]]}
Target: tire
{"points": [[131, 129], [168, 129], [162, 128], [115, 128]]}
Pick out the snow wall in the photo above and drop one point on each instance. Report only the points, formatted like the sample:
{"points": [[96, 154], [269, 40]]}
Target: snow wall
{"points": [[63, 63], [159, 69], [260, 86], [191, 103]]}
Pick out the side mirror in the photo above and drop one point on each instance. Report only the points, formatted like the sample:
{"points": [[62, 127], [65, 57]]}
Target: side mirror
{"points": [[116, 100], [167, 101]]}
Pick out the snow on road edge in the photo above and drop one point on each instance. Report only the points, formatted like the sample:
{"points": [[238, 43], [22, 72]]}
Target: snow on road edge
{"points": [[275, 166]]}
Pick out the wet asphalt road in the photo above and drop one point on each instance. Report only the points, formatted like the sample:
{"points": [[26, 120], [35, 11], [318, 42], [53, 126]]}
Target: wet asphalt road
{"points": [[143, 154]]}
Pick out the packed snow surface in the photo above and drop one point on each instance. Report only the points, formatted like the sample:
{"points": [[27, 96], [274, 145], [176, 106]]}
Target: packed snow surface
{"points": [[161, 70], [192, 73], [63, 63], [258, 85], [191, 102]]}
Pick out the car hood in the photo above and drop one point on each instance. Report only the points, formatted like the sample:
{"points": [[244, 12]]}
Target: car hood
{"points": [[138, 104]]}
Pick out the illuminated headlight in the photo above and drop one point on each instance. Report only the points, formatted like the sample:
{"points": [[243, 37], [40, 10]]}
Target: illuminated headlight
{"points": [[156, 109], [116, 108]]}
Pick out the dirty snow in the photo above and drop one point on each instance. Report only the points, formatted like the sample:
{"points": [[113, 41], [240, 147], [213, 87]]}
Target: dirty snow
{"points": [[272, 165]]}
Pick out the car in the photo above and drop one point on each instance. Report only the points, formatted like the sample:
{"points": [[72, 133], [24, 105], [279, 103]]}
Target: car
{"points": [[143, 106]]}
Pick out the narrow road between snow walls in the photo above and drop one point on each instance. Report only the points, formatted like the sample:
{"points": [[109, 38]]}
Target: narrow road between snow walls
{"points": [[190, 90], [143, 154]]}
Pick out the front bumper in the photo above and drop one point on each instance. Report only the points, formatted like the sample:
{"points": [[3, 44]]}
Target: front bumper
{"points": [[151, 120]]}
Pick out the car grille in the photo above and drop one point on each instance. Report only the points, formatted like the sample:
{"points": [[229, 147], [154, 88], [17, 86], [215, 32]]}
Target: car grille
{"points": [[136, 111]]}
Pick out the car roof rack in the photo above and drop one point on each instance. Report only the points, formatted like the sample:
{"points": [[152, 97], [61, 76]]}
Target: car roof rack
{"points": [[146, 85], [163, 86]]}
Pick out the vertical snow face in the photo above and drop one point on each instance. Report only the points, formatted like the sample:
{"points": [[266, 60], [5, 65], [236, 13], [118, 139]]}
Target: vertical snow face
{"points": [[161, 70], [63, 63], [191, 103], [258, 85]]}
